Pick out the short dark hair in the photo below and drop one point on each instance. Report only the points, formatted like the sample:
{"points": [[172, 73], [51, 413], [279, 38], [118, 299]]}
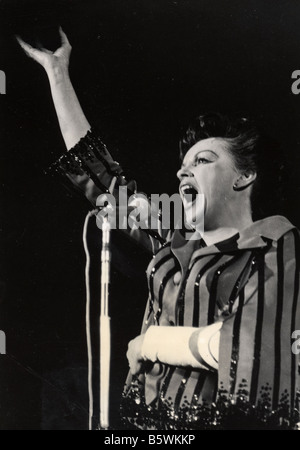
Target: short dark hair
{"points": [[250, 149]]}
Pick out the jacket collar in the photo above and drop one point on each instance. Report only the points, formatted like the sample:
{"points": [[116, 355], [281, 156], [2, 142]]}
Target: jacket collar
{"points": [[255, 236]]}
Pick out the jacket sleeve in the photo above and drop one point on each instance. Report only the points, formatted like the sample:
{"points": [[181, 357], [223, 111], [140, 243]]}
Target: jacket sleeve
{"points": [[90, 169], [259, 361]]}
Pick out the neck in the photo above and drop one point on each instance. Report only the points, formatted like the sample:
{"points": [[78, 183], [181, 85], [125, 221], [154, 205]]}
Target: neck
{"points": [[227, 224]]}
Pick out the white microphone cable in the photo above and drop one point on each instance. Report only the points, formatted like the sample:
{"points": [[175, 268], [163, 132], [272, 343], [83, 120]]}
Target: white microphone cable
{"points": [[88, 319]]}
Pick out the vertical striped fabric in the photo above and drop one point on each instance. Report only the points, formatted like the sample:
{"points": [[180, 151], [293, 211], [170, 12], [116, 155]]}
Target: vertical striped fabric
{"points": [[249, 282], [253, 288]]}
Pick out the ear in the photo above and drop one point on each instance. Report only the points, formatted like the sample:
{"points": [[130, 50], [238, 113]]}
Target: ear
{"points": [[245, 180]]}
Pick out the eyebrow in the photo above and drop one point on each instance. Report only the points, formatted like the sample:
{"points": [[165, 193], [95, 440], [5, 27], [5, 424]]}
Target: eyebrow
{"points": [[203, 151]]}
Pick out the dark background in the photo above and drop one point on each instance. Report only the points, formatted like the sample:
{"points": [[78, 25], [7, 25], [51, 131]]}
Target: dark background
{"points": [[142, 69]]}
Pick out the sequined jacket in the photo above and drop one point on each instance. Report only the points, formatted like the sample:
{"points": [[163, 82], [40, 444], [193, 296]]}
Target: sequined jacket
{"points": [[250, 282]]}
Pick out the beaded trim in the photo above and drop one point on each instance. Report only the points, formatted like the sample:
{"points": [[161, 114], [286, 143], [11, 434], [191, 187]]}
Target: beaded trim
{"points": [[88, 149], [225, 413]]}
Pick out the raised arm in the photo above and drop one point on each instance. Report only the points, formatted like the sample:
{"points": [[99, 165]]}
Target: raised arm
{"points": [[87, 165], [72, 121]]}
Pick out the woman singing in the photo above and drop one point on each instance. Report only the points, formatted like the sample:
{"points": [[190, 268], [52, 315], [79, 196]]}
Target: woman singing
{"points": [[217, 343]]}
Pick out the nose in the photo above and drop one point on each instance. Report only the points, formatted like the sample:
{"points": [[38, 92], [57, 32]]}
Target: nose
{"points": [[184, 172]]}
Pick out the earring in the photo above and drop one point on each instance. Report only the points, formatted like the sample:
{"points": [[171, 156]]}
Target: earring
{"points": [[235, 187]]}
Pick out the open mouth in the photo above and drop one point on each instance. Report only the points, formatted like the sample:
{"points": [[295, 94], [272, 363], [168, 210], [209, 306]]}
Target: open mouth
{"points": [[189, 192]]}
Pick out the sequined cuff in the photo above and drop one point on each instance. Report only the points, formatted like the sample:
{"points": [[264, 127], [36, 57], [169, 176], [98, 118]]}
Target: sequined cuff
{"points": [[87, 152]]}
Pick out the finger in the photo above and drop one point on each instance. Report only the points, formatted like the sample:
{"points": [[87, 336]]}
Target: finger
{"points": [[43, 49], [135, 365], [23, 44], [64, 38], [135, 368], [131, 360], [29, 50]]}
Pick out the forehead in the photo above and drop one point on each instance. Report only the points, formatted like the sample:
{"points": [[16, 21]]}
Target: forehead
{"points": [[212, 145]]}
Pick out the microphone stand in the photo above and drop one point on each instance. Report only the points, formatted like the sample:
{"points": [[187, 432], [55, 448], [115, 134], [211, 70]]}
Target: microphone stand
{"points": [[105, 334]]}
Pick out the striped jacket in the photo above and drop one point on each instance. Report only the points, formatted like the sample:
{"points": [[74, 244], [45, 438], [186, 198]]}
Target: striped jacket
{"points": [[250, 282]]}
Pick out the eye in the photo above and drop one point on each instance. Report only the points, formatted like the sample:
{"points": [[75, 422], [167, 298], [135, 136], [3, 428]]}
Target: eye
{"points": [[199, 160]]}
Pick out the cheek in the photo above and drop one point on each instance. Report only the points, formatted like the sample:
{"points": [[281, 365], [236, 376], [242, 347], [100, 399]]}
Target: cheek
{"points": [[223, 185], [215, 182]]}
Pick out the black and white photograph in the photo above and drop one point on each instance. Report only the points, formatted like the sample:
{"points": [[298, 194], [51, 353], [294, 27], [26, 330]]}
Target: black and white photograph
{"points": [[150, 190]]}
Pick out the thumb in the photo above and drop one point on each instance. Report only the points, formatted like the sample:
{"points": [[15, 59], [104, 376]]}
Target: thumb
{"points": [[64, 38]]}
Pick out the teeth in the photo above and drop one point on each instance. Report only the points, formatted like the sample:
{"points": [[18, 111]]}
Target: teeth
{"points": [[189, 192], [187, 187]]}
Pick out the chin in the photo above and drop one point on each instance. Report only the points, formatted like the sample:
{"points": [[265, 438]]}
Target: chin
{"points": [[194, 222], [194, 214]]}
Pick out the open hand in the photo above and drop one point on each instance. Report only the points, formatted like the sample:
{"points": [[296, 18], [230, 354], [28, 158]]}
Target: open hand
{"points": [[46, 58]]}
